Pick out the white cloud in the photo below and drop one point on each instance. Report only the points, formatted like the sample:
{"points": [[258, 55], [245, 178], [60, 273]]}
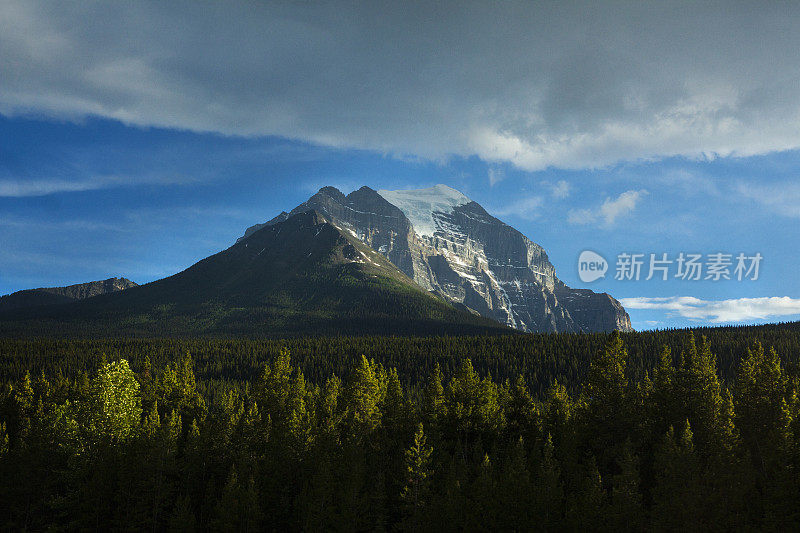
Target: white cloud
{"points": [[609, 211], [19, 188], [559, 190], [495, 175], [581, 216], [733, 310], [622, 205], [780, 198], [588, 84], [525, 208]]}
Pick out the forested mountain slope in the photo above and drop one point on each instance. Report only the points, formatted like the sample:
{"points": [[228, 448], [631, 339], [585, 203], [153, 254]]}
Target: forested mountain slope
{"points": [[303, 276], [60, 295]]}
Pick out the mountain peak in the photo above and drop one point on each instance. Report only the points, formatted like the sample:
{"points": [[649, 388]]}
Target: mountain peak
{"points": [[449, 245], [419, 205], [57, 295], [333, 192]]}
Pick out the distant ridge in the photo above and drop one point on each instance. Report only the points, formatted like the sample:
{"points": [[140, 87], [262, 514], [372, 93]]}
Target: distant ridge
{"points": [[60, 295], [303, 276]]}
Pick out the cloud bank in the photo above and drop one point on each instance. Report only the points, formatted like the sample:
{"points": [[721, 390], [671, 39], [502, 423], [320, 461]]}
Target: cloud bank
{"points": [[733, 310], [26, 187], [610, 210], [570, 85]]}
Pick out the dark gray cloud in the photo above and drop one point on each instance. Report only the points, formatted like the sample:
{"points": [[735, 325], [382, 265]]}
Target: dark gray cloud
{"points": [[534, 84]]}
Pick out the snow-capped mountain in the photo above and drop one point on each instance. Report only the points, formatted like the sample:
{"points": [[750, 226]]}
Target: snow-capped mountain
{"points": [[451, 246]]}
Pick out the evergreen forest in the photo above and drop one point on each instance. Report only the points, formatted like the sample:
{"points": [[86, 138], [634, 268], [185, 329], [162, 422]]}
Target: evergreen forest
{"points": [[654, 431]]}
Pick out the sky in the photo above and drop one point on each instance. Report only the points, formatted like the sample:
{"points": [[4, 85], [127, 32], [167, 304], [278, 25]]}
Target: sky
{"points": [[139, 137]]}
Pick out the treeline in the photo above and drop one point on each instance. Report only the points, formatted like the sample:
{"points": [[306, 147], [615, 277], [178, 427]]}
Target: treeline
{"points": [[540, 358], [675, 449]]}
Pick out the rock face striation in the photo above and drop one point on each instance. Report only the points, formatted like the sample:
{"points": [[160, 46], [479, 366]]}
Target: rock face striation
{"points": [[450, 245]]}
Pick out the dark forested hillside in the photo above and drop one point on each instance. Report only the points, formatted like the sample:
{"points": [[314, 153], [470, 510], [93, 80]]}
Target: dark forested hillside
{"points": [[644, 438], [60, 295], [300, 277]]}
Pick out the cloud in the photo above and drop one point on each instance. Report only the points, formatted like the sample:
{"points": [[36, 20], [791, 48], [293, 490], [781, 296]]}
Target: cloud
{"points": [[495, 175], [622, 205], [20, 188], [83, 225], [559, 190], [733, 310], [780, 198], [581, 216], [17, 188], [609, 211], [525, 208], [588, 84]]}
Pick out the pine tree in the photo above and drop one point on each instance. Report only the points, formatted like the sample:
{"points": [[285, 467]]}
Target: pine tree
{"points": [[237, 509], [705, 405], [3, 440], [663, 400], [363, 397], [604, 406], [764, 420], [606, 383], [515, 491], [147, 385], [433, 399], [762, 414], [472, 405], [482, 508], [558, 413], [395, 409], [548, 490], [418, 470], [24, 407], [585, 499], [625, 510], [521, 412], [329, 412], [182, 519], [676, 498]]}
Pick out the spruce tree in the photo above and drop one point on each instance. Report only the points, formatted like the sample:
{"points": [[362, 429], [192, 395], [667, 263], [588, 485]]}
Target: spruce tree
{"points": [[548, 490], [238, 509], [625, 511], [676, 505], [417, 487]]}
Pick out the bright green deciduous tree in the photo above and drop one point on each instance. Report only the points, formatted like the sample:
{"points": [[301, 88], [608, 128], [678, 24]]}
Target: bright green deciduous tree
{"points": [[115, 405]]}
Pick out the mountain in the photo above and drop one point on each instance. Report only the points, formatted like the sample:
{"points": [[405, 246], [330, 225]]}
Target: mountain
{"points": [[302, 275], [60, 295], [449, 245]]}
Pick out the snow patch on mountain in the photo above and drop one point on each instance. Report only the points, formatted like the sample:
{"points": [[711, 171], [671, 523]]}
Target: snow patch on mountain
{"points": [[419, 205]]}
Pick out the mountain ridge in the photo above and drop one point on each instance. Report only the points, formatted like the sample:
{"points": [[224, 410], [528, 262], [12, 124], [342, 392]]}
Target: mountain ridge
{"points": [[302, 276], [466, 255], [59, 295]]}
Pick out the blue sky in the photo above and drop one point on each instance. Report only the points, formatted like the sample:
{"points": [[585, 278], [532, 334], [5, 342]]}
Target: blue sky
{"points": [[134, 144]]}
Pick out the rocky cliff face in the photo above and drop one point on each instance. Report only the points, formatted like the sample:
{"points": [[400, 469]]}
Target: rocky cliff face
{"points": [[92, 288], [450, 245]]}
